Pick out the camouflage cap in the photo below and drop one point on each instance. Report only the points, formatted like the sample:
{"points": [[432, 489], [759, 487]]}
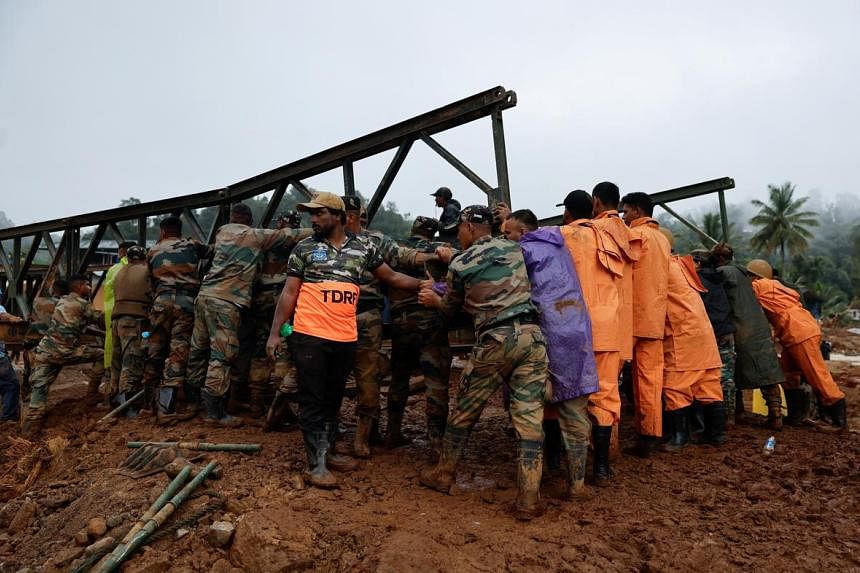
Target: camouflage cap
{"points": [[136, 253], [478, 214], [427, 224], [323, 200], [351, 202]]}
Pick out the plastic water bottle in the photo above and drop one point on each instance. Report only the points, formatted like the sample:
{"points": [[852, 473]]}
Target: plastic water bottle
{"points": [[769, 446], [145, 334], [286, 329]]}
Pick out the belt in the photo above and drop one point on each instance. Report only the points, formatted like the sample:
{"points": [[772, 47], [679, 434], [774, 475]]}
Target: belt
{"points": [[520, 319]]}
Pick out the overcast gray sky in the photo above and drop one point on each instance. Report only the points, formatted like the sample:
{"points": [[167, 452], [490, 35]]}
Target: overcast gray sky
{"points": [[104, 100]]}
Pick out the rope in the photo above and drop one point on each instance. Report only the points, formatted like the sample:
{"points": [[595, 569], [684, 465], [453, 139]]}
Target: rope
{"points": [[163, 532]]}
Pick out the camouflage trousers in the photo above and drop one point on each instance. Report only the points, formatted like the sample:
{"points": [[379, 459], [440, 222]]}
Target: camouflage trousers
{"points": [[261, 314], [128, 353], [171, 320], [512, 354], [214, 344], [367, 362], [727, 375], [419, 338], [47, 365]]}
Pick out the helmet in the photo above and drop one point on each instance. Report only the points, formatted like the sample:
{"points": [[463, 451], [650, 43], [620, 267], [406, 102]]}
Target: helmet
{"points": [[760, 268]]}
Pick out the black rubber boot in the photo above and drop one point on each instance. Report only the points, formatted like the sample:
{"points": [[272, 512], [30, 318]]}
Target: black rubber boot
{"points": [[529, 471], [645, 446], [165, 406], [773, 400], [552, 444], [193, 402], [715, 423], [795, 399], [394, 437], [318, 474], [680, 437], [335, 461], [839, 414], [361, 446], [435, 432], [601, 437], [697, 423], [577, 458], [215, 412]]}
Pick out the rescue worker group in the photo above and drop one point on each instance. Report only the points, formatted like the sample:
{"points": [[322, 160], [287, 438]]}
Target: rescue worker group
{"points": [[558, 313]]}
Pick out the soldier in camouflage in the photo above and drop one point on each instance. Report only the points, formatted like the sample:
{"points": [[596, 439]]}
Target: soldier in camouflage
{"points": [[224, 292], [419, 338], [43, 307], [174, 268], [132, 298], [320, 298], [60, 347], [489, 281]]}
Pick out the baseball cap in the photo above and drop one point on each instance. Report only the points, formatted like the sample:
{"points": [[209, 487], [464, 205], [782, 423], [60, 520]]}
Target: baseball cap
{"points": [[442, 192], [576, 201], [351, 202], [323, 200], [136, 253], [428, 224], [479, 214]]}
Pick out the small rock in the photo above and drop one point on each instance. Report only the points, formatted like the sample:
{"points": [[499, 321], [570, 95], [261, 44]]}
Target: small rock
{"points": [[220, 533], [58, 501], [100, 545], [64, 557], [114, 520], [181, 532], [23, 517], [82, 538], [96, 527]]}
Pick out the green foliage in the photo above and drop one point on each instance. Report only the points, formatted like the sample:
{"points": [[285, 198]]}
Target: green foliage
{"points": [[782, 223]]}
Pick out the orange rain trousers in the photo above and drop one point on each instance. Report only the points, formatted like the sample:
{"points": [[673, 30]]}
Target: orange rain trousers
{"points": [[648, 386], [681, 388], [805, 359], [604, 406]]}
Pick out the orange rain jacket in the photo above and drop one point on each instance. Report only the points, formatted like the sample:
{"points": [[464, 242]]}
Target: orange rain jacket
{"points": [[689, 342], [650, 279]]}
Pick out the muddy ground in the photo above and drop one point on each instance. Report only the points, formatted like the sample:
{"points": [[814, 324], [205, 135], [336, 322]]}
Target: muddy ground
{"points": [[701, 509]]}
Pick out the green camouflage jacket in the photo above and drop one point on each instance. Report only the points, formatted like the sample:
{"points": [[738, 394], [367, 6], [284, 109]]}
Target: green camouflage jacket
{"points": [[70, 318], [489, 281], [316, 260], [237, 254], [173, 264]]}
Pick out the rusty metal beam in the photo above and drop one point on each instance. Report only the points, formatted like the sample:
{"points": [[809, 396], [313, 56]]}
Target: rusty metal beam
{"points": [[91, 248], [193, 225], [302, 188], [387, 179], [457, 164], [273, 205], [56, 263]]}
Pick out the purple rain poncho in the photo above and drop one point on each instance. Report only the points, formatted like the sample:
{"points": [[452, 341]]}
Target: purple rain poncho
{"points": [[564, 317]]}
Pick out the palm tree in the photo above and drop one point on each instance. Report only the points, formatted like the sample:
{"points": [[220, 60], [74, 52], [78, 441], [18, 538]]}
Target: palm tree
{"points": [[712, 224], [783, 224]]}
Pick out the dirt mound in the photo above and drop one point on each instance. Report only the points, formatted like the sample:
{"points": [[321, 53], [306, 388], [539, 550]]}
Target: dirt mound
{"points": [[725, 509]]}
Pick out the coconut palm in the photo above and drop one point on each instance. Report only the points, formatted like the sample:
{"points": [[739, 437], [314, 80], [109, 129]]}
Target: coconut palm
{"points": [[712, 224], [782, 223]]}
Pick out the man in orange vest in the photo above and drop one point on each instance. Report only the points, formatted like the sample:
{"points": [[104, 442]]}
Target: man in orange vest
{"points": [[691, 357], [650, 285], [800, 337]]}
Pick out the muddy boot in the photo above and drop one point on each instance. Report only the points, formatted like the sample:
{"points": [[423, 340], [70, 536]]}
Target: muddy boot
{"points": [[680, 436], [256, 407], [279, 411], [577, 457], [435, 432], [32, 422], [552, 444], [697, 423], [441, 476], [215, 413], [361, 447], [529, 469], [335, 461], [774, 407], [601, 437], [394, 433], [645, 446], [839, 414], [715, 423], [318, 474], [797, 402]]}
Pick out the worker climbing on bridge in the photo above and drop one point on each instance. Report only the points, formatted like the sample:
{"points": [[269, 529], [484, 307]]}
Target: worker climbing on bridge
{"points": [[800, 337], [62, 346], [450, 217]]}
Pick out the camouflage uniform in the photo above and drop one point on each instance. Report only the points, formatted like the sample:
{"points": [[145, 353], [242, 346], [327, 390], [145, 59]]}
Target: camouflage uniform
{"points": [[173, 265], [267, 290], [419, 337], [489, 281], [60, 347], [224, 292], [40, 317], [727, 375]]}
